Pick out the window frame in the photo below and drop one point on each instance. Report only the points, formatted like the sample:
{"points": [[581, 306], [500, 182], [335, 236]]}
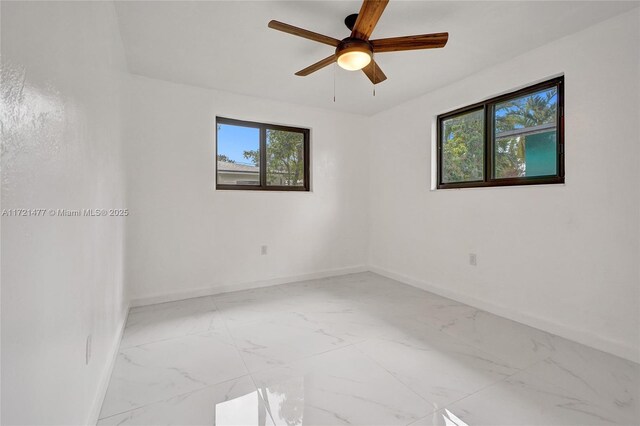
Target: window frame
{"points": [[488, 106], [263, 127]]}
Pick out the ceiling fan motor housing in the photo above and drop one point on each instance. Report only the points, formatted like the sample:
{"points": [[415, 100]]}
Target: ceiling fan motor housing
{"points": [[353, 44]]}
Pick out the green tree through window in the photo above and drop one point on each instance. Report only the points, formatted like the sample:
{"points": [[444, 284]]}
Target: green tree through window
{"points": [[463, 146], [285, 158]]}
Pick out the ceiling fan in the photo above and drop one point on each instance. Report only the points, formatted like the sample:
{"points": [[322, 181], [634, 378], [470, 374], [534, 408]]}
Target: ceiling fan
{"points": [[356, 51]]}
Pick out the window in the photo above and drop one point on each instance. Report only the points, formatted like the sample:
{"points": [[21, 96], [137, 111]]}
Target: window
{"points": [[257, 156], [514, 139]]}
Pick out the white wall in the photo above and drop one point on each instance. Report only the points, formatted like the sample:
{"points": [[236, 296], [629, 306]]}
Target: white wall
{"points": [[563, 258], [62, 277], [185, 238]]}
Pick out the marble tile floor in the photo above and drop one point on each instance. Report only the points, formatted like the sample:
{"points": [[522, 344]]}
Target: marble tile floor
{"points": [[357, 349]]}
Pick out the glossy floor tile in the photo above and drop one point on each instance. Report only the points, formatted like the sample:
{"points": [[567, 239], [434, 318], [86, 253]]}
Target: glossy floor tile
{"points": [[235, 402], [526, 399], [283, 338], [339, 387], [357, 349], [441, 374], [167, 320], [160, 370]]}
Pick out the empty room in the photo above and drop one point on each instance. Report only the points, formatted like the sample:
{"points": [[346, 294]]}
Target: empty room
{"points": [[319, 213]]}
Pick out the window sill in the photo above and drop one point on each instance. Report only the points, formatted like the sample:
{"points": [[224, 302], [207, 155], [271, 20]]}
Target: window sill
{"points": [[475, 188]]}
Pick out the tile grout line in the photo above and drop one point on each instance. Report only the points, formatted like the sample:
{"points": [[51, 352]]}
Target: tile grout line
{"points": [[182, 336]]}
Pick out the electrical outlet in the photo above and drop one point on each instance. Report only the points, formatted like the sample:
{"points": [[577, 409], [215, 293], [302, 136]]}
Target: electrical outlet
{"points": [[473, 259], [263, 250], [88, 350]]}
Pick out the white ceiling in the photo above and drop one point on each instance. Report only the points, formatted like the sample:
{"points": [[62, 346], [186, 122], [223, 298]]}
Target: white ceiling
{"points": [[227, 45]]}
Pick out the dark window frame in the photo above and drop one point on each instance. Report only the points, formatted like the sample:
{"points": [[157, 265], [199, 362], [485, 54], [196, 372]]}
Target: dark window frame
{"points": [[263, 127], [488, 106]]}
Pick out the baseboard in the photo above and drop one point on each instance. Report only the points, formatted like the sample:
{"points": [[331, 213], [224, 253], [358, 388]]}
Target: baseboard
{"points": [[581, 336], [209, 291], [94, 414]]}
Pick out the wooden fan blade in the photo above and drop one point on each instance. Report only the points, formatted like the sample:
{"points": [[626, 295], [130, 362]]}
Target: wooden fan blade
{"points": [[374, 73], [414, 42], [300, 32], [318, 65], [368, 16]]}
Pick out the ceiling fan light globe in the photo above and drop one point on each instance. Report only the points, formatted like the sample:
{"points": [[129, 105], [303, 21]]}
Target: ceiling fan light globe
{"points": [[354, 60]]}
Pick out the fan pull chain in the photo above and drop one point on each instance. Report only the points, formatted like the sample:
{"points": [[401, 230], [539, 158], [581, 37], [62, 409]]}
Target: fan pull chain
{"points": [[373, 59], [334, 82]]}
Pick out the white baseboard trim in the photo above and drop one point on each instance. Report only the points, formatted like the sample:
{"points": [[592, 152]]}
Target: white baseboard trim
{"points": [[620, 349], [94, 414], [208, 291]]}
